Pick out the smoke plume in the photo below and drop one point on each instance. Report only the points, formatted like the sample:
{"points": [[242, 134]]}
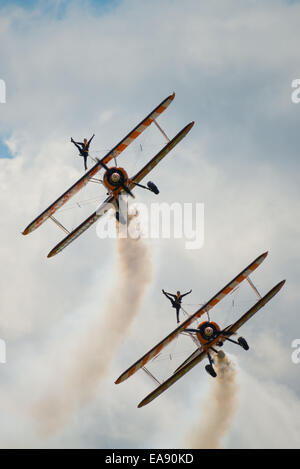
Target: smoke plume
{"points": [[76, 381], [217, 412]]}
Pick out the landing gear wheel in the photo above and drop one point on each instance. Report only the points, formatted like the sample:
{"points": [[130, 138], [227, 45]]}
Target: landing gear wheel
{"points": [[243, 343], [152, 187], [211, 371]]}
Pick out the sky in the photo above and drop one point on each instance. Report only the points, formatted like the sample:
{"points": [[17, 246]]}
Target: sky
{"points": [[72, 69]]}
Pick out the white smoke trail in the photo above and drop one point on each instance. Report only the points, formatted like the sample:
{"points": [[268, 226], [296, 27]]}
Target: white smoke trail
{"points": [[218, 410], [77, 383]]}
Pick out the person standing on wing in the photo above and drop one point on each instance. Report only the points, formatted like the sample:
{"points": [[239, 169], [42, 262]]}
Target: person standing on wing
{"points": [[176, 302], [83, 148]]}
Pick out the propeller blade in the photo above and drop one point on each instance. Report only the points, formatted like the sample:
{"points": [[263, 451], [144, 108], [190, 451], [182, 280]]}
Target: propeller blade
{"points": [[126, 189]]}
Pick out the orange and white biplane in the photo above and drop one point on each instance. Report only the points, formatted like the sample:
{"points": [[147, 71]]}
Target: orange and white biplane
{"points": [[208, 336], [115, 179]]}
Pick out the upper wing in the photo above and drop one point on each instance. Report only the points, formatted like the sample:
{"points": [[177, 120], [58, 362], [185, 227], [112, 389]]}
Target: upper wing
{"points": [[212, 302], [234, 327], [160, 155], [175, 377], [107, 204], [111, 154]]}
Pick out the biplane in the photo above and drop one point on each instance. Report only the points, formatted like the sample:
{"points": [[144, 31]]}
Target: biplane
{"points": [[208, 336], [115, 179]]}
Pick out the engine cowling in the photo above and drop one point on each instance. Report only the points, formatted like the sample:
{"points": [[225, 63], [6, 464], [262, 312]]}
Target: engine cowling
{"points": [[207, 331], [114, 178]]}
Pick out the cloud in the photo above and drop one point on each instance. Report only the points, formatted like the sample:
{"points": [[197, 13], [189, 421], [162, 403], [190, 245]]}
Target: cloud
{"points": [[231, 67], [273, 414]]}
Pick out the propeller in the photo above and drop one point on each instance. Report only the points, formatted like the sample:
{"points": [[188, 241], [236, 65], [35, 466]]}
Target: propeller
{"points": [[121, 183]]}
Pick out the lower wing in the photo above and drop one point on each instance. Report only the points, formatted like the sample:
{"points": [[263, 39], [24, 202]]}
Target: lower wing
{"points": [[107, 204], [175, 377]]}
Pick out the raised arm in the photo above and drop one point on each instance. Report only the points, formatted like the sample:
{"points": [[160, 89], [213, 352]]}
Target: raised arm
{"points": [[187, 293], [91, 139]]}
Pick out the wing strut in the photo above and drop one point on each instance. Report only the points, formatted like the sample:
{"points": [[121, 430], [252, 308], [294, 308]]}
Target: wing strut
{"points": [[59, 224], [151, 375], [161, 130], [253, 287]]}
